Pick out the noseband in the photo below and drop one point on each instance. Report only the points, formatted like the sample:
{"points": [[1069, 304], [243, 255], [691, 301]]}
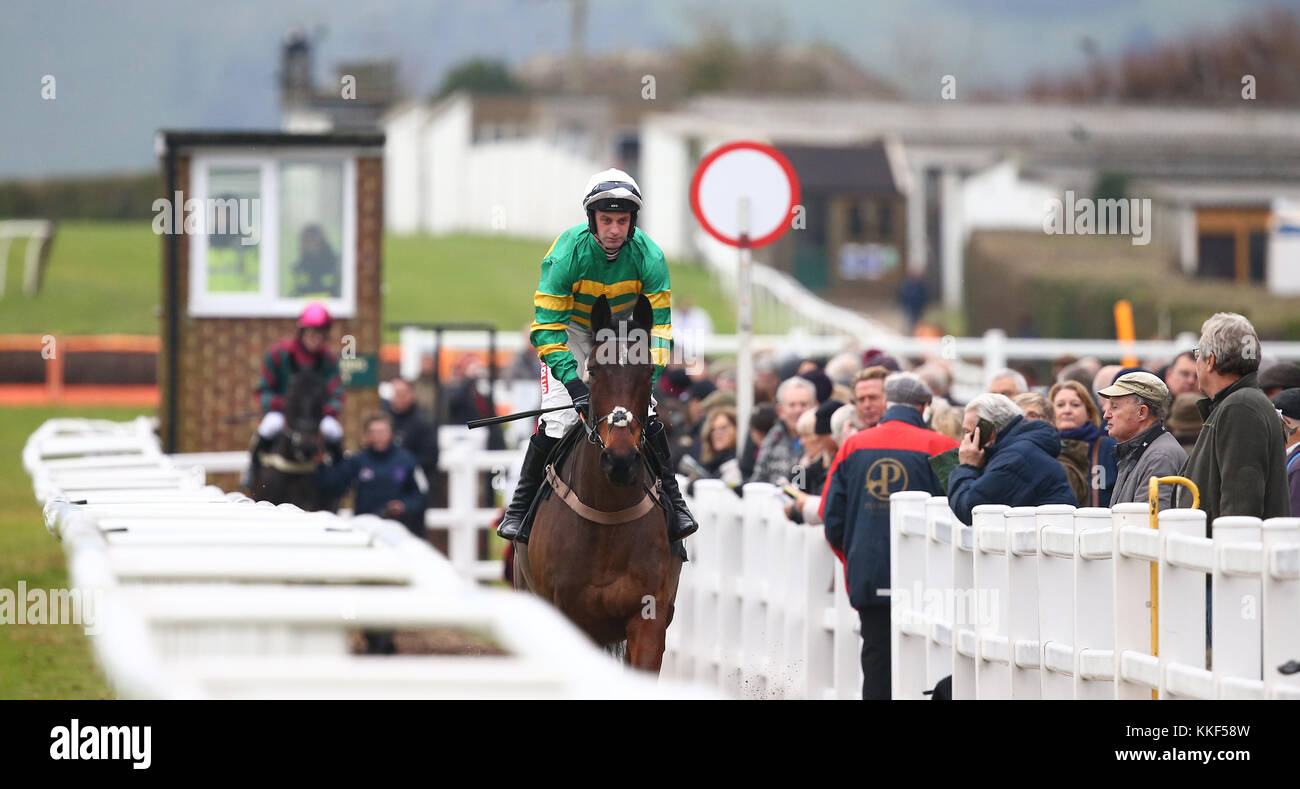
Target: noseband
{"points": [[619, 417]]}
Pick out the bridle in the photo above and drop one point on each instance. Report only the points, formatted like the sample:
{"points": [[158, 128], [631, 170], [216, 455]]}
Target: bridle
{"points": [[619, 417]]}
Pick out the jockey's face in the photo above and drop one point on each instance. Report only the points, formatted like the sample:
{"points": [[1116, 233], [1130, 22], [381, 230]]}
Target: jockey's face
{"points": [[313, 339], [612, 227]]}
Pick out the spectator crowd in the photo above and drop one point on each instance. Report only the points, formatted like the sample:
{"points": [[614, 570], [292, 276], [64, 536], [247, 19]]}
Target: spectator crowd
{"points": [[838, 436]]}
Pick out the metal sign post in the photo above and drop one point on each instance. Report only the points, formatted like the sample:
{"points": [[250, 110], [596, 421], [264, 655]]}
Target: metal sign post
{"points": [[759, 183]]}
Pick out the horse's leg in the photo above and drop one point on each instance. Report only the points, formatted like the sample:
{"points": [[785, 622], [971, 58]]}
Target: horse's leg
{"points": [[646, 641]]}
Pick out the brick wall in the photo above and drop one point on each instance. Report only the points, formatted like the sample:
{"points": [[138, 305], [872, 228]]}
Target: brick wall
{"points": [[220, 358]]}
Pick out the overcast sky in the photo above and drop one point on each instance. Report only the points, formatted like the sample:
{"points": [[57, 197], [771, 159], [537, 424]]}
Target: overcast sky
{"points": [[126, 68]]}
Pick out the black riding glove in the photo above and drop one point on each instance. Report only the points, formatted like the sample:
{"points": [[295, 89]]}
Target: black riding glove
{"points": [[580, 395]]}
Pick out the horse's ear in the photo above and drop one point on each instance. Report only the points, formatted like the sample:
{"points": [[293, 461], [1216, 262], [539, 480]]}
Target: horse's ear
{"points": [[601, 316], [643, 313]]}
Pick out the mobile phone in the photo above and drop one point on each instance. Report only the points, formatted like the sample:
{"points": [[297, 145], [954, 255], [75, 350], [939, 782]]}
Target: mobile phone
{"points": [[985, 428]]}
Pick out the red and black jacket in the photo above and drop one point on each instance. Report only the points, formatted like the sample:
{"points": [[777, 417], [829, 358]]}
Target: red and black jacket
{"points": [[870, 466]]}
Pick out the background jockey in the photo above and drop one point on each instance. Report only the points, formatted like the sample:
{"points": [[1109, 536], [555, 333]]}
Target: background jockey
{"points": [[304, 351], [605, 256]]}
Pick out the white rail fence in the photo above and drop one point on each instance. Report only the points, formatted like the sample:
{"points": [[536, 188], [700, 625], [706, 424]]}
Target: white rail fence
{"points": [[462, 455], [189, 592], [761, 609], [1055, 602]]}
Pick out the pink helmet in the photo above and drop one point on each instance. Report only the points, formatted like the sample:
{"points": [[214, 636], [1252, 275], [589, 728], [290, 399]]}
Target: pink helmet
{"points": [[315, 316]]}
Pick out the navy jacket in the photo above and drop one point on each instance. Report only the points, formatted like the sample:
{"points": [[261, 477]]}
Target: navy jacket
{"points": [[380, 477], [872, 464], [1020, 470]]}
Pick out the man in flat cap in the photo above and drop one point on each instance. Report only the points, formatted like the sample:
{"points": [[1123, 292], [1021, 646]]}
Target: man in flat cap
{"points": [[1134, 409], [1288, 405]]}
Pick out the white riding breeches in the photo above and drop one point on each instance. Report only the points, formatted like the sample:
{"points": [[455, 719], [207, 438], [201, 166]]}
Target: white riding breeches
{"points": [[557, 423]]}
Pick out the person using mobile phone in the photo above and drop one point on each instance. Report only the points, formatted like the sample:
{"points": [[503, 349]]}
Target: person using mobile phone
{"points": [[1005, 459]]}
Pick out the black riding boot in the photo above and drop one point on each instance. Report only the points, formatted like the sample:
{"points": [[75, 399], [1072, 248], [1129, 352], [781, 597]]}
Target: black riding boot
{"points": [[682, 524], [530, 479]]}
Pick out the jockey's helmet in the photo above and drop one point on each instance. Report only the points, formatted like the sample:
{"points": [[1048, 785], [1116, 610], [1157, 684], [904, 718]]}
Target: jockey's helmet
{"points": [[612, 190], [315, 316]]}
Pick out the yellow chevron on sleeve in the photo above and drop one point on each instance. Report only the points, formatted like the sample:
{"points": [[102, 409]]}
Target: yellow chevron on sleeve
{"points": [[663, 331], [552, 348], [659, 300], [613, 290], [547, 327], [660, 356], [548, 302], [552, 247]]}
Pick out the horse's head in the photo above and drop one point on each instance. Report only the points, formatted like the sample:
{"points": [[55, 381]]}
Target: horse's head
{"points": [[304, 407], [620, 370]]}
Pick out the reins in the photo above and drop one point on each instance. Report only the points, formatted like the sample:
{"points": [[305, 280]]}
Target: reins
{"points": [[618, 417]]}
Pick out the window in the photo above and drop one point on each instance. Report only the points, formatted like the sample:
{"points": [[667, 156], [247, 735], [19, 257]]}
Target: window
{"points": [[271, 234]]}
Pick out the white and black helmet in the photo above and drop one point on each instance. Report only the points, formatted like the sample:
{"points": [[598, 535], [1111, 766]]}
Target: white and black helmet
{"points": [[612, 190]]}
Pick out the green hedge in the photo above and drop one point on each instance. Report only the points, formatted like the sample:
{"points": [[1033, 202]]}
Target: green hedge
{"points": [[1067, 286], [101, 197]]}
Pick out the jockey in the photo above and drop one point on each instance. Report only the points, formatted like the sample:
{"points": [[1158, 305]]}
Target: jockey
{"points": [[604, 256], [305, 350]]}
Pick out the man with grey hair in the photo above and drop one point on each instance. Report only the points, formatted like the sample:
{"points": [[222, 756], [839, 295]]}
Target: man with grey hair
{"points": [[870, 466], [1134, 408], [842, 367], [1009, 383], [780, 450], [1005, 459], [1239, 461]]}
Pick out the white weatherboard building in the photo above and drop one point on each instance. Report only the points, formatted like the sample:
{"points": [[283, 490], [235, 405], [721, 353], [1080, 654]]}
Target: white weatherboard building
{"points": [[902, 183]]}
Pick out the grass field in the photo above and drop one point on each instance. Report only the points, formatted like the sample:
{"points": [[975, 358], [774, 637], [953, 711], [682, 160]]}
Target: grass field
{"points": [[103, 277], [38, 661]]}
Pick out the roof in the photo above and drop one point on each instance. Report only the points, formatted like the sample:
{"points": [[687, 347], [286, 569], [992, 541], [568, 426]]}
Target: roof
{"points": [[172, 139], [822, 168]]}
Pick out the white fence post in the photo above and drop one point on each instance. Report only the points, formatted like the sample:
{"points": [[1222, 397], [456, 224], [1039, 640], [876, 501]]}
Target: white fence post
{"points": [[1236, 609], [989, 595], [1022, 603], [1094, 595], [939, 575], [965, 645], [907, 620], [1132, 609], [1281, 592], [1056, 600], [1181, 628]]}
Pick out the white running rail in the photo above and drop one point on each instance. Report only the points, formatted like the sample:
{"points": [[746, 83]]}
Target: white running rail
{"points": [[1054, 602], [189, 592]]}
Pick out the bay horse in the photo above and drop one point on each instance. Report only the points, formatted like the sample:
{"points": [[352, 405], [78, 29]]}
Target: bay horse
{"points": [[286, 473], [599, 548]]}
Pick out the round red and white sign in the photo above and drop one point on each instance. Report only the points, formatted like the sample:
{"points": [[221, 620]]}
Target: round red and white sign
{"points": [[741, 170]]}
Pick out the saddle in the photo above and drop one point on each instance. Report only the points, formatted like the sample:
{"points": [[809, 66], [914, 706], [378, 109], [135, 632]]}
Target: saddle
{"points": [[551, 481]]}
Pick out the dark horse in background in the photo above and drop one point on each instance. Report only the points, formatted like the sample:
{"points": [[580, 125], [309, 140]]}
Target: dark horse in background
{"points": [[599, 547], [286, 471]]}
